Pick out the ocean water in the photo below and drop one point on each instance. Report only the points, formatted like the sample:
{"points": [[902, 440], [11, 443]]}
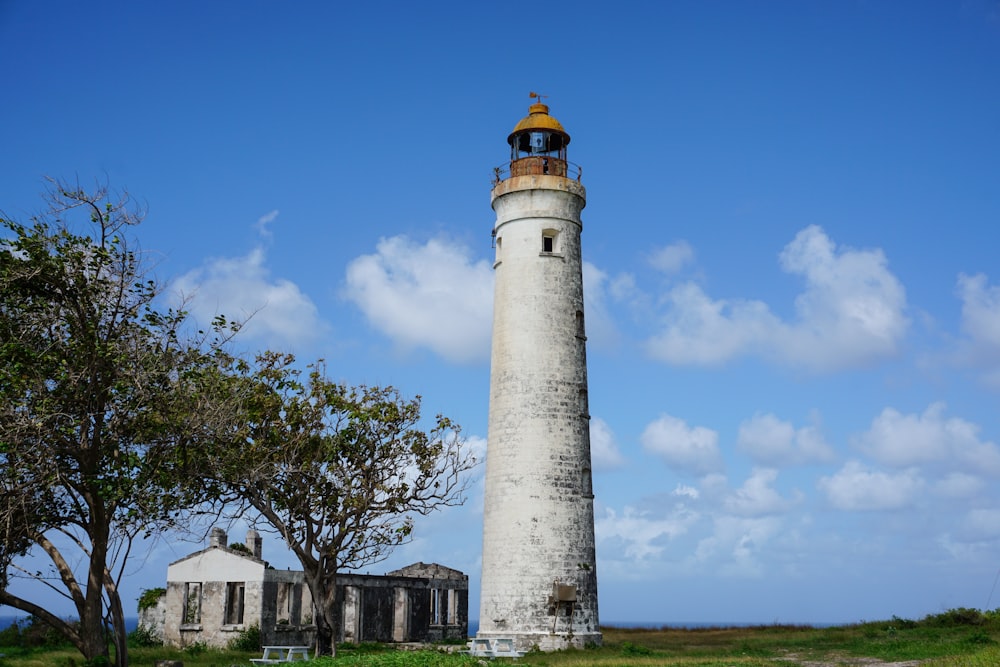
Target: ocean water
{"points": [[131, 624], [653, 625], [8, 620]]}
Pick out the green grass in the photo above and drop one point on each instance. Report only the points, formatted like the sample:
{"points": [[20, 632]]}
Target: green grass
{"points": [[989, 657], [958, 638]]}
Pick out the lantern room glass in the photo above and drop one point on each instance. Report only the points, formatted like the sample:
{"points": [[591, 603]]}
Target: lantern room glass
{"points": [[538, 142]]}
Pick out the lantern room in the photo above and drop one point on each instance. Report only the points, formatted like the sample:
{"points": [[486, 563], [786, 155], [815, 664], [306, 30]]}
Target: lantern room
{"points": [[538, 144]]}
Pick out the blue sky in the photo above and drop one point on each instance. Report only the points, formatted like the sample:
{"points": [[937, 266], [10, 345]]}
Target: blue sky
{"points": [[792, 283]]}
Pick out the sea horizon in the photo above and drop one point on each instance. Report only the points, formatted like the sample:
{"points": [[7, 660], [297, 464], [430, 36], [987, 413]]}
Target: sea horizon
{"points": [[131, 623]]}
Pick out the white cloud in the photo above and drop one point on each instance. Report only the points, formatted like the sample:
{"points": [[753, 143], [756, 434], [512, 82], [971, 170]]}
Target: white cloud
{"points": [[685, 491], [475, 495], [981, 524], [700, 331], [714, 487], [850, 314], [600, 325], [276, 311], [757, 497], [263, 222], [736, 544], [767, 439], [853, 308], [980, 309], [640, 535], [672, 258], [604, 452], [902, 440], [856, 487], [432, 295], [959, 485], [981, 323], [684, 448]]}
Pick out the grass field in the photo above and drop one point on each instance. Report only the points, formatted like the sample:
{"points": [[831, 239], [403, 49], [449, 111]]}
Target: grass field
{"points": [[957, 638]]}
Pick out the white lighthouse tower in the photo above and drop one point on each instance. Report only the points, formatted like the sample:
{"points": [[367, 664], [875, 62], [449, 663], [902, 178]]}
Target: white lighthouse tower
{"points": [[539, 583]]}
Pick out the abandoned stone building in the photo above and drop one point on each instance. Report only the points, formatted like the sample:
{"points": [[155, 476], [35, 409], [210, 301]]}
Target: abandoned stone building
{"points": [[220, 591]]}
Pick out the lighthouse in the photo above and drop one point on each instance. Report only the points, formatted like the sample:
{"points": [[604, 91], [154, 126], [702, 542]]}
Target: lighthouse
{"points": [[539, 582]]}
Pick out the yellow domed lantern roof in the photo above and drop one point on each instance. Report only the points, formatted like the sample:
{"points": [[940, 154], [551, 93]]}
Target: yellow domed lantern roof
{"points": [[538, 144], [538, 119]]}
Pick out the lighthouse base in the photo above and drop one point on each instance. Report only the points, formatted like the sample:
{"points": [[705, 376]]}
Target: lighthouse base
{"points": [[545, 641]]}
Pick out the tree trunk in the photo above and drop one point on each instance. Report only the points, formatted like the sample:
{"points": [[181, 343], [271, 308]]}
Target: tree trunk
{"points": [[325, 641], [333, 613], [120, 636], [92, 629], [324, 591], [93, 643]]}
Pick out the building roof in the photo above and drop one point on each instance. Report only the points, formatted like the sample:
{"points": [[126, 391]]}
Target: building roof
{"points": [[234, 552], [427, 571]]}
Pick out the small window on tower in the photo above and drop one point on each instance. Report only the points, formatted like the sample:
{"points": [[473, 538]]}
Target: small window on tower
{"points": [[550, 240]]}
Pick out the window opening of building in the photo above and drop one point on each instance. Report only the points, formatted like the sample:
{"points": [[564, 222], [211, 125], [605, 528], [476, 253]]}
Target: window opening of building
{"points": [[435, 606], [289, 606], [452, 607], [235, 593], [192, 603]]}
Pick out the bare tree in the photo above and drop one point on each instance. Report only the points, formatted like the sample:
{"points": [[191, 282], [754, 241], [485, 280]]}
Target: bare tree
{"points": [[340, 472], [96, 410]]}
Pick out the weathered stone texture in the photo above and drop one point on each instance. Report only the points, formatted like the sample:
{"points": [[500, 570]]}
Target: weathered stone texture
{"points": [[152, 618], [538, 516]]}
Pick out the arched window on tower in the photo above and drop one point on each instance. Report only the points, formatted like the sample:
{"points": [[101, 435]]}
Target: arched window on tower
{"points": [[550, 241]]}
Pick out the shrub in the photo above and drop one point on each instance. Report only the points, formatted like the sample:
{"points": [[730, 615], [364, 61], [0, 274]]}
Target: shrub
{"points": [[11, 635], [630, 649], [246, 640], [149, 597], [143, 637], [34, 633], [196, 649], [242, 548], [955, 617], [979, 638]]}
